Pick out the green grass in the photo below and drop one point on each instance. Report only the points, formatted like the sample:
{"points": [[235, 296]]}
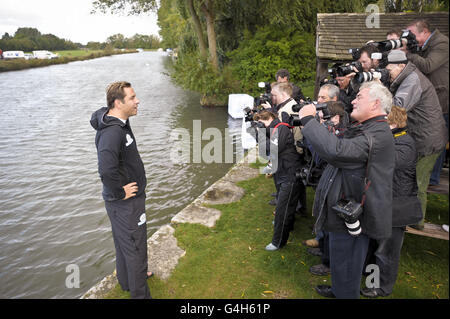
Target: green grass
{"points": [[76, 53], [229, 260]]}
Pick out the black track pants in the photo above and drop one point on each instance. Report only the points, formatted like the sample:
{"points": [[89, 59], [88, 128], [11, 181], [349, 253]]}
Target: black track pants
{"points": [[129, 231], [285, 212]]}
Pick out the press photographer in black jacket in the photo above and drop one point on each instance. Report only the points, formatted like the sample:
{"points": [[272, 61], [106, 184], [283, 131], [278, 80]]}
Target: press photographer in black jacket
{"points": [[285, 160], [359, 173]]}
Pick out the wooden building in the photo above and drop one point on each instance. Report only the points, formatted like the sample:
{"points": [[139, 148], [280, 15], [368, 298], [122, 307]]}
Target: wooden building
{"points": [[338, 32]]}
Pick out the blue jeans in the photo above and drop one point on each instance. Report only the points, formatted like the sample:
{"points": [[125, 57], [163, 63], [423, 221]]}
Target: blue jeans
{"points": [[347, 256]]}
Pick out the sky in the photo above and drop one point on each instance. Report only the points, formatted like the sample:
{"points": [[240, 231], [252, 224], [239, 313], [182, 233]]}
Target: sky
{"points": [[71, 20]]}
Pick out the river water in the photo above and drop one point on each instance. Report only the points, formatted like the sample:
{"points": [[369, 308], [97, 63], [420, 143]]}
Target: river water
{"points": [[51, 211]]}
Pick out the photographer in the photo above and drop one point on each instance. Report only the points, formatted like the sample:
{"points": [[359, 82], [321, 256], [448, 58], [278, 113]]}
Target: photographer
{"points": [[365, 58], [285, 160], [432, 61], [394, 34], [282, 76], [336, 121], [282, 95], [347, 92], [405, 206], [414, 92], [360, 169]]}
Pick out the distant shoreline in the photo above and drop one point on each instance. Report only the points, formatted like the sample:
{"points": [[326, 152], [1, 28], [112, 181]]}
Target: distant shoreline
{"points": [[17, 65]]}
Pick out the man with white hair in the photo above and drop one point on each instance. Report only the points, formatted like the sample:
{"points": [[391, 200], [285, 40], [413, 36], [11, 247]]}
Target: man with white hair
{"points": [[414, 92], [353, 200]]}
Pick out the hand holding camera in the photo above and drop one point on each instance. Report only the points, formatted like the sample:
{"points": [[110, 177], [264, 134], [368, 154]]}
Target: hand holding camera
{"points": [[307, 110]]}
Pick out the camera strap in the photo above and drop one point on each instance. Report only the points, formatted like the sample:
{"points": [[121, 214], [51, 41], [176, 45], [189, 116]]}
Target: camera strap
{"points": [[276, 126], [367, 182]]}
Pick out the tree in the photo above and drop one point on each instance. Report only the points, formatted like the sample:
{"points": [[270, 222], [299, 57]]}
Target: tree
{"points": [[131, 6], [198, 28], [208, 11]]}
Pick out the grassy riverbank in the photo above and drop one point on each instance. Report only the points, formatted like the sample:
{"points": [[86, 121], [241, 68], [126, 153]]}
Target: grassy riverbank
{"points": [[64, 57], [229, 260]]}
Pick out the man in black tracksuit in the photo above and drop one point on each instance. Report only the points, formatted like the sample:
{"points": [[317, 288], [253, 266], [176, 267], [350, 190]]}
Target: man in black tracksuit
{"points": [[123, 176], [285, 160]]}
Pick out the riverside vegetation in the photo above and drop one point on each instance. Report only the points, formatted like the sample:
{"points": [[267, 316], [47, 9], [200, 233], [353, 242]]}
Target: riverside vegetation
{"points": [[64, 57]]}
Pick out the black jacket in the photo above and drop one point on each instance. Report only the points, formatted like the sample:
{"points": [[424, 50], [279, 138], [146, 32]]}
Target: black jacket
{"points": [[283, 154], [119, 162], [405, 183], [406, 207], [344, 176]]}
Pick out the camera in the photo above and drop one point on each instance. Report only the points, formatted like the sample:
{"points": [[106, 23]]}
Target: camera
{"points": [[382, 74], [411, 43], [266, 97], [248, 117], [294, 119], [355, 52], [349, 210], [343, 70], [328, 81]]}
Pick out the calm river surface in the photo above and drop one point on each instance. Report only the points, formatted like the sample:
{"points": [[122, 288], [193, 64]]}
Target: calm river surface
{"points": [[51, 210]]}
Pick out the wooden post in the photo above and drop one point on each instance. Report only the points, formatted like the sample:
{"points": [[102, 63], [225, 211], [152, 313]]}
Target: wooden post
{"points": [[321, 72]]}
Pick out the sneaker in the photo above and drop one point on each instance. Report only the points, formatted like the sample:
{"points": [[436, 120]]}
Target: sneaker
{"points": [[372, 293], [320, 270], [311, 243], [314, 251], [325, 291], [271, 247], [445, 227], [268, 169]]}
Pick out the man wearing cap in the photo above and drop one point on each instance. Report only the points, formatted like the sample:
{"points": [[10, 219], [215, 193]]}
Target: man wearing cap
{"points": [[414, 92]]}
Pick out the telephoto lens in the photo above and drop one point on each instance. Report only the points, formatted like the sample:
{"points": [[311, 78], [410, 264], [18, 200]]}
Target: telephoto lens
{"points": [[354, 229]]}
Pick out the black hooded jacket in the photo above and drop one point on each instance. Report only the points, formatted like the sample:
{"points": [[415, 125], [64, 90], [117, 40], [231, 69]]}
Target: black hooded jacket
{"points": [[119, 162], [285, 159]]}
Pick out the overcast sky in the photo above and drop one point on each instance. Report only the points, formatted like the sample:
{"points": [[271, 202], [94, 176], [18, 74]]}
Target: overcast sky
{"points": [[71, 20]]}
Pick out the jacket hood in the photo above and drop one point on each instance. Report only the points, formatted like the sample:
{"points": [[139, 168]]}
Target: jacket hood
{"points": [[99, 120]]}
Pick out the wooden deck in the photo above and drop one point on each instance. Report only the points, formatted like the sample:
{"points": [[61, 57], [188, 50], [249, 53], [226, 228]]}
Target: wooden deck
{"points": [[432, 230], [442, 188], [429, 230]]}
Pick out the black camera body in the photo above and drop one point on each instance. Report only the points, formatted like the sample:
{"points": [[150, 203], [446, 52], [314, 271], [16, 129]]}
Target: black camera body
{"points": [[266, 97], [248, 117], [349, 210], [343, 70]]}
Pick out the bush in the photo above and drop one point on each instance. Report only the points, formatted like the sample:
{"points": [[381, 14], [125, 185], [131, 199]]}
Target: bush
{"points": [[196, 74], [262, 54]]}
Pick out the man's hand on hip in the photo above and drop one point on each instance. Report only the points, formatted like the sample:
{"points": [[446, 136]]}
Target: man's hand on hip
{"points": [[130, 190]]}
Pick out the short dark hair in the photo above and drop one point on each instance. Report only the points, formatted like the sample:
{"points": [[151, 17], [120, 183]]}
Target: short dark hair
{"points": [[264, 115], [336, 108], [282, 73], [368, 49], [397, 31], [115, 91], [422, 24]]}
